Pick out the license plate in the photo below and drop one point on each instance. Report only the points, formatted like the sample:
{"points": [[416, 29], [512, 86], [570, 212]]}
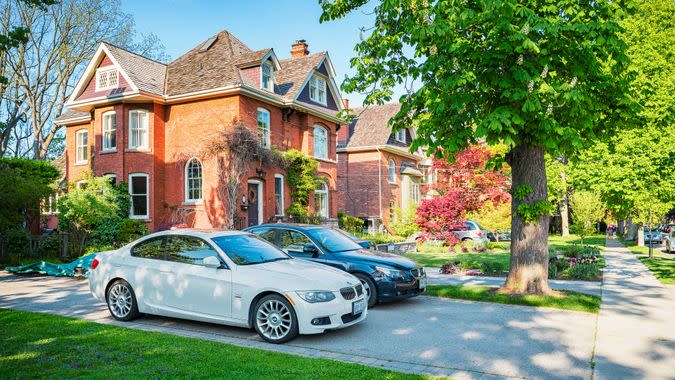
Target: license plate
{"points": [[358, 306]]}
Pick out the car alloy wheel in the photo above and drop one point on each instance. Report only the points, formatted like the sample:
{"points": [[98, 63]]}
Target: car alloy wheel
{"points": [[275, 319], [369, 288], [122, 301]]}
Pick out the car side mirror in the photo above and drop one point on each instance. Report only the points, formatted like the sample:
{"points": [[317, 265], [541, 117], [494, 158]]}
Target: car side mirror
{"points": [[365, 244], [310, 248], [211, 262]]}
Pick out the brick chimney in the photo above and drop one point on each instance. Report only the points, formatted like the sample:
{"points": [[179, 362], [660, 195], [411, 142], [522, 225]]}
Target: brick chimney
{"points": [[299, 49], [345, 103]]}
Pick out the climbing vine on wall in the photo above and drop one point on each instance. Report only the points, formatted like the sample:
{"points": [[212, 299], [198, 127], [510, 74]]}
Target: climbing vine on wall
{"points": [[301, 178]]}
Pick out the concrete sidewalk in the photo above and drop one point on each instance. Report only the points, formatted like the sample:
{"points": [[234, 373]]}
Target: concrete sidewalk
{"points": [[436, 278], [636, 325]]}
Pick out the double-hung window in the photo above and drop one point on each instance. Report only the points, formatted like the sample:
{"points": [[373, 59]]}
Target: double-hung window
{"points": [[139, 190], [320, 142], [391, 175], [400, 135], [138, 129], [321, 200], [267, 77], [264, 127], [109, 131], [317, 89], [81, 147], [278, 195]]}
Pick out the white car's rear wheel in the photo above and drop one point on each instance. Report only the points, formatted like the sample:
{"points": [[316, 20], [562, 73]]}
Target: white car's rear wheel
{"points": [[122, 301], [275, 319]]}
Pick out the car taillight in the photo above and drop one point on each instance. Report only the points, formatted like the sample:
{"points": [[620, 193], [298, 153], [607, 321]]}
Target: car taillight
{"points": [[94, 263]]}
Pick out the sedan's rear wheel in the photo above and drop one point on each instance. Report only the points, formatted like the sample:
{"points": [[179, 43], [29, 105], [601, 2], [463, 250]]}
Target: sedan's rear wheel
{"points": [[122, 301], [275, 319]]}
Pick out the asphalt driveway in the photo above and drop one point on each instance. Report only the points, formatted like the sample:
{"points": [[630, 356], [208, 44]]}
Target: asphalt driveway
{"points": [[461, 339]]}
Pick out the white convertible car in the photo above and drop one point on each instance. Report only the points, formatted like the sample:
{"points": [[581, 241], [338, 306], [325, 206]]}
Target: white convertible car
{"points": [[232, 278]]}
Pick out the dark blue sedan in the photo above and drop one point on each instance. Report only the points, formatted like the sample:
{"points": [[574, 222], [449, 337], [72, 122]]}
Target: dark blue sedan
{"points": [[385, 277]]}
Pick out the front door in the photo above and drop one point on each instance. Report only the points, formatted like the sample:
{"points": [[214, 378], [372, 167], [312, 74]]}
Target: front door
{"points": [[253, 204]]}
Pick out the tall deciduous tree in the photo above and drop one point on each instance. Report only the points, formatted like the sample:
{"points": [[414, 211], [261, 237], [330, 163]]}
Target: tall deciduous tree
{"points": [[559, 189], [588, 210], [536, 76], [43, 70]]}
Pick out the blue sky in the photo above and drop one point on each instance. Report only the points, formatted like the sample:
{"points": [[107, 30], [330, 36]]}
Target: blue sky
{"points": [[182, 24]]}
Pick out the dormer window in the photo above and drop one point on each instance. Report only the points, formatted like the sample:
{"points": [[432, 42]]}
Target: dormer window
{"points": [[400, 135], [267, 79], [107, 79], [317, 89]]}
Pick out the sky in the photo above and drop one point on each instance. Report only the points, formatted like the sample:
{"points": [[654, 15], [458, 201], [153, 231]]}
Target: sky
{"points": [[182, 24]]}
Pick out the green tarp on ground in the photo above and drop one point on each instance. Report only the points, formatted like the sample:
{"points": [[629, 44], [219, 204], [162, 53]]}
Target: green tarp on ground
{"points": [[59, 270]]}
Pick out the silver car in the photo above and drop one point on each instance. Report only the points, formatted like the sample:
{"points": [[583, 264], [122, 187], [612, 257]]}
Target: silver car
{"points": [[472, 231]]}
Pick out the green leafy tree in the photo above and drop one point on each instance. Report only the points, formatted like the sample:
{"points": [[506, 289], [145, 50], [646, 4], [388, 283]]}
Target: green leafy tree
{"points": [[25, 184], [82, 210], [634, 170], [587, 210], [535, 76], [493, 217]]}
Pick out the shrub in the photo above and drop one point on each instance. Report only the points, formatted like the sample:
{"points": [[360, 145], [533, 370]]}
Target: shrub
{"points": [[449, 268], [380, 238], [96, 249], [350, 223], [494, 245], [16, 240], [552, 271], [493, 267], [572, 251], [432, 246], [49, 247], [470, 264], [583, 271], [404, 222], [117, 232]]}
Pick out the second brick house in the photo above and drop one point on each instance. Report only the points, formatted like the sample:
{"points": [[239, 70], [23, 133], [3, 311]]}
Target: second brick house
{"points": [[377, 173], [132, 118]]}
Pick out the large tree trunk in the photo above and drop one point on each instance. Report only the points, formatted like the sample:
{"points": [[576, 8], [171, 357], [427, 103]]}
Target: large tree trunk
{"points": [[529, 242], [620, 227], [640, 235], [564, 216]]}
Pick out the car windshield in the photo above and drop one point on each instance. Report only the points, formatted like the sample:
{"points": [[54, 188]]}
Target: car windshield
{"points": [[332, 241], [247, 249]]}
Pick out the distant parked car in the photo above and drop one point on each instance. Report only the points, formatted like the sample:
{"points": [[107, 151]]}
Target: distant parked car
{"points": [[471, 231], [385, 276], [499, 235], [654, 236], [233, 278]]}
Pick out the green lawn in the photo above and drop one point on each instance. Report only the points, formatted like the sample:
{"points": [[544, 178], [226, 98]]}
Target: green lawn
{"points": [[663, 268], [569, 300], [436, 259], [34, 345]]}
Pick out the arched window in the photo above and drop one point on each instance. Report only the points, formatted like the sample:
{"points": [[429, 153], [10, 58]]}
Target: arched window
{"points": [[320, 142], [321, 200], [193, 180], [264, 127], [392, 172]]}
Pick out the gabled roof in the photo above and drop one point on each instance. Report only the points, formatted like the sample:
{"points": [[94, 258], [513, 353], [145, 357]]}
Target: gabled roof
{"points": [[148, 75], [371, 127], [294, 72], [204, 69], [72, 116]]}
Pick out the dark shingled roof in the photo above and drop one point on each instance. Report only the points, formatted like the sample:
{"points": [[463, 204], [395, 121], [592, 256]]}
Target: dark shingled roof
{"points": [[371, 127], [293, 73], [147, 75], [215, 67], [72, 114], [251, 59]]}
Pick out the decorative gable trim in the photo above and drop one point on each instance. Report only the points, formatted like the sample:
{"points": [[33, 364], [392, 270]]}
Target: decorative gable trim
{"points": [[90, 73], [330, 81]]}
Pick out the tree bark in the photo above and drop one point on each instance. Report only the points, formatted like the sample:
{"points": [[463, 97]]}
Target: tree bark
{"points": [[640, 235], [564, 216], [620, 227], [529, 241]]}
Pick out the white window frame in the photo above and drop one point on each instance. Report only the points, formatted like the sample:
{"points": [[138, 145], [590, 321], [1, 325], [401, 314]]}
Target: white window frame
{"points": [[108, 128], [317, 88], [49, 205], [144, 143], [391, 172], [325, 150], [189, 200], [400, 135], [79, 184], [265, 134], [281, 200], [111, 176], [147, 195], [81, 158], [270, 83], [322, 189], [110, 75]]}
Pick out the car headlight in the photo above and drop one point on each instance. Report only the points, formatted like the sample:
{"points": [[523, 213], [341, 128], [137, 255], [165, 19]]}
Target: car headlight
{"points": [[389, 273], [314, 296]]}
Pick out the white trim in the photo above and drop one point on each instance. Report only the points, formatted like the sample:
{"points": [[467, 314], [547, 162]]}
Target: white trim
{"points": [[140, 147], [78, 159], [103, 125], [389, 171], [272, 56], [111, 175], [321, 85], [73, 120], [147, 196], [386, 148], [262, 65], [106, 69], [327, 136], [331, 81], [78, 184], [189, 200], [266, 138], [396, 136], [281, 207], [324, 190], [260, 199]]}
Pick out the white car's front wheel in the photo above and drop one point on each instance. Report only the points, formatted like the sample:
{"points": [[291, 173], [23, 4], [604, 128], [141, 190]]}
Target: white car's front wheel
{"points": [[122, 301], [275, 319]]}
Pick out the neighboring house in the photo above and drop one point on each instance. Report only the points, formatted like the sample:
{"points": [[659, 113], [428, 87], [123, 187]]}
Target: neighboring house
{"points": [[377, 173], [133, 119], [49, 212]]}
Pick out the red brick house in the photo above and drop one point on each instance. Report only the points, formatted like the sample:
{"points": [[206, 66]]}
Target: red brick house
{"points": [[376, 170], [131, 118]]}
